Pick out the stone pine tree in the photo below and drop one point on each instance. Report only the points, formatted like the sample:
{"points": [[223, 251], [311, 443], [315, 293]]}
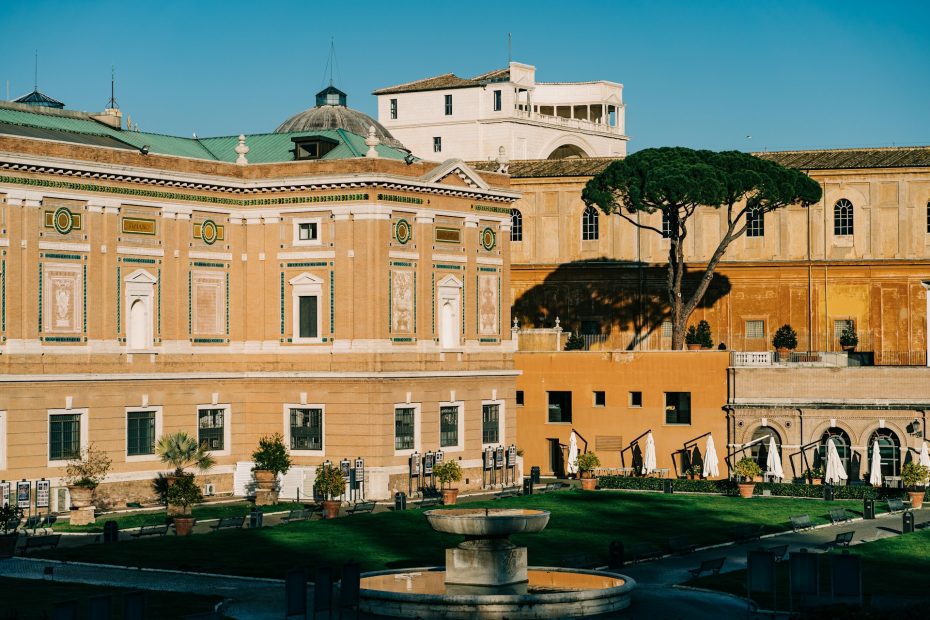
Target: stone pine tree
{"points": [[680, 181]]}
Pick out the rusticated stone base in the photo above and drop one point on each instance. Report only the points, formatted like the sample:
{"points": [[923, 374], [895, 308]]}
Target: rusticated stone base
{"points": [[265, 497], [491, 562], [83, 516]]}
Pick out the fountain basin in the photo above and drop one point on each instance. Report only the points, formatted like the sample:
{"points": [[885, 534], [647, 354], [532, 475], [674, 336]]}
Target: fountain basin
{"points": [[487, 522], [550, 593]]}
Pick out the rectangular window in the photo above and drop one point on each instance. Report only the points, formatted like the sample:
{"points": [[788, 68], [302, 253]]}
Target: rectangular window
{"points": [[308, 317], [497, 101], [560, 406], [678, 407], [636, 399], [755, 223], [666, 225], [519, 398], [490, 423], [211, 428], [393, 109], [140, 433], [840, 326], [306, 429], [403, 428], [306, 231], [666, 329], [64, 437], [600, 399], [448, 426], [448, 105], [755, 330], [437, 144]]}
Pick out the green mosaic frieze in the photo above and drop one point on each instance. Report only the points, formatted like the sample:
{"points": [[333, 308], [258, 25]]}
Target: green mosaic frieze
{"points": [[488, 269], [401, 264], [209, 340], [62, 339], [490, 209], [410, 200], [119, 281], [3, 295], [40, 298], [140, 261], [282, 304], [453, 267], [202, 264], [317, 264], [332, 303], [63, 256]]}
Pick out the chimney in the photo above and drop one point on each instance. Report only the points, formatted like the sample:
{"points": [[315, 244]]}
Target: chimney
{"points": [[111, 116]]}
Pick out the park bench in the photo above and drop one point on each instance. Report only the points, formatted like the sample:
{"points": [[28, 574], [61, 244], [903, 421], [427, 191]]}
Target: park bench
{"points": [[645, 551], [229, 523], [800, 523], [553, 486], [361, 507], [39, 522], [13, 524], [746, 532], [708, 566], [150, 530], [508, 492], [681, 545], [842, 540], [49, 541], [297, 514], [896, 504], [839, 515], [779, 551], [429, 501]]}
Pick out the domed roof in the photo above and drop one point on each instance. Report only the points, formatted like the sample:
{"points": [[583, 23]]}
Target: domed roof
{"points": [[331, 113]]}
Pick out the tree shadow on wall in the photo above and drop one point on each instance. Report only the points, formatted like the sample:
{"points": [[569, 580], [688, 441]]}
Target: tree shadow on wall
{"points": [[605, 296]]}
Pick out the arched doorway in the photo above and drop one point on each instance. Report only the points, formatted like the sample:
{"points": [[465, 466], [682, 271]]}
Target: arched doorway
{"points": [[138, 325], [760, 451], [449, 313], [841, 441], [568, 151], [889, 451]]}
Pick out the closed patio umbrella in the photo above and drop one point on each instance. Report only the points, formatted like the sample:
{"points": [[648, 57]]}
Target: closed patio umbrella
{"points": [[649, 459], [924, 457], [572, 454], [773, 462], [835, 471], [711, 464], [875, 476]]}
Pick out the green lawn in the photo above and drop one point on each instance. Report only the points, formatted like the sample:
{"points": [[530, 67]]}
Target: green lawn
{"points": [[581, 523], [36, 600], [129, 520], [889, 566]]}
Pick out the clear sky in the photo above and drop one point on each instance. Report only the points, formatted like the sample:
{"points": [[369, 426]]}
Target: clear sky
{"points": [[790, 74]]}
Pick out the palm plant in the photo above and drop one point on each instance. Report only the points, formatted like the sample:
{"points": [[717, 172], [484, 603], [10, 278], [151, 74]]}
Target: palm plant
{"points": [[181, 450]]}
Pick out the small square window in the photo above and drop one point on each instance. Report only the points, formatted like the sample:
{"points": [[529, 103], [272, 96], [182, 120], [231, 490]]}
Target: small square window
{"points": [[519, 398], [437, 144], [755, 330], [678, 407], [306, 231], [560, 407], [600, 399], [636, 399]]}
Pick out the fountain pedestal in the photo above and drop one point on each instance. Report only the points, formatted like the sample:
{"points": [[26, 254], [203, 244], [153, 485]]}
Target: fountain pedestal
{"points": [[487, 565]]}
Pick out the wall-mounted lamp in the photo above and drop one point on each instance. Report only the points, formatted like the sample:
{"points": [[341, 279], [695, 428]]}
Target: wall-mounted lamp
{"points": [[145, 149]]}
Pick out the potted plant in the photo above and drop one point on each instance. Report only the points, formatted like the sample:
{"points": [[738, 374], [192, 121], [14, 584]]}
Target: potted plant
{"points": [[694, 472], [746, 471], [181, 451], [587, 462], [574, 343], [84, 473], [330, 484], [915, 478], [704, 336], [691, 339], [271, 458], [849, 339], [784, 341], [183, 494], [448, 472], [814, 475]]}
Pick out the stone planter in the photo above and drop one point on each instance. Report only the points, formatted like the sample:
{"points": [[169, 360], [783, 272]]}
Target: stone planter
{"points": [[265, 479], [917, 499], [588, 484], [331, 508], [449, 496], [694, 347], [849, 348], [81, 497], [783, 354], [183, 526], [746, 489]]}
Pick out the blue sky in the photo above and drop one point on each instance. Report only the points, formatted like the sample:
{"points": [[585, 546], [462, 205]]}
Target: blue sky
{"points": [[791, 75]]}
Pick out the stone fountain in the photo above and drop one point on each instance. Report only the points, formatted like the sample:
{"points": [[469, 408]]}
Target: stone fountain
{"points": [[486, 576]]}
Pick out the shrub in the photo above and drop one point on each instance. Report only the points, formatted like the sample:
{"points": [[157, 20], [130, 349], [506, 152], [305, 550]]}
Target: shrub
{"points": [[574, 343], [785, 338], [849, 338], [89, 469], [447, 472], [9, 517], [272, 454], [181, 450], [747, 468], [329, 481], [184, 492], [587, 462], [726, 487], [914, 475]]}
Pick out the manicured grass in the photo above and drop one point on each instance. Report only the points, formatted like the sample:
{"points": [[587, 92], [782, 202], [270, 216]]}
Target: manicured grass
{"points": [[581, 523], [890, 566], [155, 518], [37, 599]]}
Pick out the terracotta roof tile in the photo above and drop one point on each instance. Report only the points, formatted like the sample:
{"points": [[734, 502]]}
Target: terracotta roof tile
{"points": [[537, 168], [837, 159], [445, 81]]}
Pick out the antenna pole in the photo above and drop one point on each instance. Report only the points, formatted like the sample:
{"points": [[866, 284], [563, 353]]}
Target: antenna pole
{"points": [[36, 72], [509, 49]]}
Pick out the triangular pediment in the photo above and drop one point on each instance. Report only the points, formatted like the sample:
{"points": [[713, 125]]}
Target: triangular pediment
{"points": [[141, 276], [305, 278], [455, 172], [451, 281]]}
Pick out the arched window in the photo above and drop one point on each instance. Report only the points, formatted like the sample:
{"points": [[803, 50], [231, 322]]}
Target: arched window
{"points": [[842, 443], [755, 223], [589, 224], [760, 451], [516, 225], [889, 450], [842, 217], [138, 331]]}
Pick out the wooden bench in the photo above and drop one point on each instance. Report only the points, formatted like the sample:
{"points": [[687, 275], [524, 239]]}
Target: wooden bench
{"points": [[429, 501], [779, 551], [553, 486], [297, 514], [39, 522], [842, 540], [896, 505], [746, 532], [708, 566], [229, 523], [800, 523], [681, 545], [839, 515], [645, 551], [508, 492], [150, 530], [49, 541], [361, 507]]}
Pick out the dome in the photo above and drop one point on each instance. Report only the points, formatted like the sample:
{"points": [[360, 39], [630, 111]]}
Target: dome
{"points": [[331, 113]]}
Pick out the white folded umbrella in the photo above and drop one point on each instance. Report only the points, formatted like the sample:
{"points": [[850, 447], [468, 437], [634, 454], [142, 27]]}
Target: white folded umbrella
{"points": [[773, 462], [572, 454], [875, 476], [924, 457], [649, 459], [835, 471], [711, 467]]}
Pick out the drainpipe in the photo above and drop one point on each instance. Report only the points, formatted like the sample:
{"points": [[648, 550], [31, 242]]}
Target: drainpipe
{"points": [[810, 285], [926, 285]]}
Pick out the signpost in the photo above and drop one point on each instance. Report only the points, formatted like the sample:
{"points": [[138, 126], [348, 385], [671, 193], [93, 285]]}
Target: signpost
{"points": [[4, 493], [23, 494], [359, 474], [43, 494], [414, 472]]}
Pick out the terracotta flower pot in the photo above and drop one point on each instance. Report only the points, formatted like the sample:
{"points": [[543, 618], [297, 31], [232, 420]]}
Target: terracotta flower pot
{"points": [[449, 496], [917, 499], [331, 508], [183, 526], [783, 354], [588, 484], [849, 347], [816, 481], [694, 347], [81, 497], [265, 479], [746, 489]]}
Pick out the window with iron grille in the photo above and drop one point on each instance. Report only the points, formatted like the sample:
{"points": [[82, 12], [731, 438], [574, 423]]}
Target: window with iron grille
{"points": [[516, 225], [755, 223], [841, 325], [403, 428], [393, 109], [490, 423], [755, 329], [64, 437], [666, 225], [497, 101], [589, 224], [448, 426], [437, 144], [666, 329], [448, 105], [306, 428], [678, 407], [140, 433], [842, 217], [210, 428]]}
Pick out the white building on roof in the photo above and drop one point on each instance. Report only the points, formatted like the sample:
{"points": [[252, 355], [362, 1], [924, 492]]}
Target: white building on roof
{"points": [[447, 116]]}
